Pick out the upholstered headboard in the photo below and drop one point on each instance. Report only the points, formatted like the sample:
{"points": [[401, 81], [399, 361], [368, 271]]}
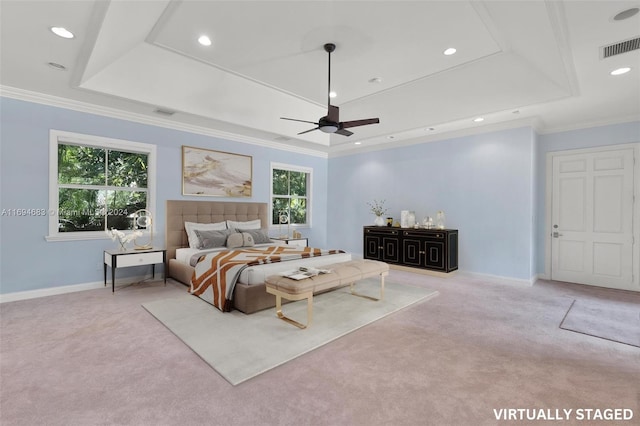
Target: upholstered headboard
{"points": [[181, 211]]}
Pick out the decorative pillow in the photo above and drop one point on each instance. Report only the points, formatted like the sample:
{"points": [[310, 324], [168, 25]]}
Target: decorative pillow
{"points": [[251, 224], [260, 236], [234, 240], [240, 239], [190, 227], [212, 239], [247, 240]]}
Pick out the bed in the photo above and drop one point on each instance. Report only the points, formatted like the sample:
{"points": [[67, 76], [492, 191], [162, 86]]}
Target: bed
{"points": [[250, 292]]}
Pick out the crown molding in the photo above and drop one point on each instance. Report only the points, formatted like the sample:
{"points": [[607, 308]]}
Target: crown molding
{"points": [[532, 122], [59, 102], [590, 124], [535, 123]]}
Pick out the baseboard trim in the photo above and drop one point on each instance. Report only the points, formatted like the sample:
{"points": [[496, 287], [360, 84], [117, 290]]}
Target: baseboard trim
{"points": [[492, 278], [423, 271], [501, 279], [52, 291]]}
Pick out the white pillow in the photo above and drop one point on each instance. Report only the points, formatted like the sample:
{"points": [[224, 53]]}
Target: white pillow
{"points": [[191, 227], [251, 224]]}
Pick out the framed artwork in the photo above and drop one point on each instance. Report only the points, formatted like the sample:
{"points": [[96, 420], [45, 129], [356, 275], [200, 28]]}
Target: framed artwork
{"points": [[216, 173]]}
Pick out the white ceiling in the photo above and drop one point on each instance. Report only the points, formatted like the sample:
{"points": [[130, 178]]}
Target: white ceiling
{"points": [[517, 63]]}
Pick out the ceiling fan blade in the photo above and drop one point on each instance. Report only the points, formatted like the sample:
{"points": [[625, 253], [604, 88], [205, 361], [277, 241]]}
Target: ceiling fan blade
{"points": [[310, 130], [357, 123], [302, 121], [333, 114], [344, 132]]}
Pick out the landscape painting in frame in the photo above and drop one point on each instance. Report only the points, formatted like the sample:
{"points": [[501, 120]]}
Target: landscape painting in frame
{"points": [[215, 173]]}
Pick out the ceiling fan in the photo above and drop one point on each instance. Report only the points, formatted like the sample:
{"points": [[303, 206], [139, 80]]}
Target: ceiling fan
{"points": [[331, 123]]}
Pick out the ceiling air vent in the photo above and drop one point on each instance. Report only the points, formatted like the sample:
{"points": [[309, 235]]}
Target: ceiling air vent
{"points": [[621, 47], [165, 112]]}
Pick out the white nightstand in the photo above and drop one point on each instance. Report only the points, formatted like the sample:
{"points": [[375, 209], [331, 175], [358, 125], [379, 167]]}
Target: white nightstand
{"points": [[302, 242], [123, 259]]}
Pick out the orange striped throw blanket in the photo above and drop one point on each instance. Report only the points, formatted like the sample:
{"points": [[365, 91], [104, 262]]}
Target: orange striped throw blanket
{"points": [[216, 273]]}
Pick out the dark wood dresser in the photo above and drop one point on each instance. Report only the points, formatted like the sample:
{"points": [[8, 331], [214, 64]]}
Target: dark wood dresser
{"points": [[427, 249]]}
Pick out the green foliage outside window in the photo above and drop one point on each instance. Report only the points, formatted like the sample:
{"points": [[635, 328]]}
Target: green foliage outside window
{"points": [[99, 188], [81, 165], [289, 196]]}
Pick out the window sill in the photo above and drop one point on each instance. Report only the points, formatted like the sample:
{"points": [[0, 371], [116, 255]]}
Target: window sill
{"points": [[76, 237]]}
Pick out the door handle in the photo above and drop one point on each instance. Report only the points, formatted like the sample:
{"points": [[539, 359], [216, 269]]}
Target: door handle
{"points": [[556, 234]]}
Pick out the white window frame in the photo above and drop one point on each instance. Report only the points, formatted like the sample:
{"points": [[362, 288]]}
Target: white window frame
{"points": [[292, 168], [55, 138]]}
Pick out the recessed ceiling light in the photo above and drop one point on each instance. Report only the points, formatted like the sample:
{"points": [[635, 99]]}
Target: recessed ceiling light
{"points": [[478, 120], [431, 129], [62, 32], [375, 80], [515, 111], [450, 51], [332, 94], [357, 143], [57, 66], [626, 14], [204, 40], [391, 137], [621, 71]]}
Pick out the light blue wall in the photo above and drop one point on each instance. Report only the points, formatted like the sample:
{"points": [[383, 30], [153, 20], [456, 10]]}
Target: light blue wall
{"points": [[28, 262], [576, 139], [483, 183], [491, 186]]}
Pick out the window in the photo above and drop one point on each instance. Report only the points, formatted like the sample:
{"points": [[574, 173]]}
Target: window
{"points": [[290, 195], [96, 184]]}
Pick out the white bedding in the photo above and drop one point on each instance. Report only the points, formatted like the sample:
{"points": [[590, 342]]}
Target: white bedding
{"points": [[256, 274]]}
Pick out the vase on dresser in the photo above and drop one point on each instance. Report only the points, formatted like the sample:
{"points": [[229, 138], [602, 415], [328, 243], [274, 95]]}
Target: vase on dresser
{"points": [[440, 220], [379, 221]]}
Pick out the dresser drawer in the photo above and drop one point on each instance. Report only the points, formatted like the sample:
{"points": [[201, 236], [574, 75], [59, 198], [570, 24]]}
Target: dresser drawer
{"points": [[139, 259], [301, 242]]}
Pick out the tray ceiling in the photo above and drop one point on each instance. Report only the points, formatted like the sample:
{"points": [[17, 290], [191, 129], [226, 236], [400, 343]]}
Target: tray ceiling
{"points": [[523, 62]]}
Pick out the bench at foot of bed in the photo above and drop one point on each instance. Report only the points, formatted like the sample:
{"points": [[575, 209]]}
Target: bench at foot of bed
{"points": [[341, 274]]}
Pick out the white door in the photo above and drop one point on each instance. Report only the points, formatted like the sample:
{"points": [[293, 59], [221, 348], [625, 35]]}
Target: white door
{"points": [[592, 219]]}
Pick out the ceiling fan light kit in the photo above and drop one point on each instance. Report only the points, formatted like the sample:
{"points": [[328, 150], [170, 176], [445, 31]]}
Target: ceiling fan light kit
{"points": [[331, 123], [328, 128]]}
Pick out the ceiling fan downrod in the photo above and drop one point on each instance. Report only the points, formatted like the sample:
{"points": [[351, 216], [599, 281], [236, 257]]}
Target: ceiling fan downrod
{"points": [[329, 47]]}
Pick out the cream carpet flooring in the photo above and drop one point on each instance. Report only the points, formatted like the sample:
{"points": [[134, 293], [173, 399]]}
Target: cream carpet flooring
{"points": [[240, 346], [97, 358], [610, 320]]}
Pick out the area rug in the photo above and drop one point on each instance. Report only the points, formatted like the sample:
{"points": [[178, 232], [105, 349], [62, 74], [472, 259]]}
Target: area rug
{"points": [[610, 320], [240, 346]]}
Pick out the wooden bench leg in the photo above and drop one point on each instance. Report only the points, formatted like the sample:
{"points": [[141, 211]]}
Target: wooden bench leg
{"points": [[353, 292], [279, 295]]}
